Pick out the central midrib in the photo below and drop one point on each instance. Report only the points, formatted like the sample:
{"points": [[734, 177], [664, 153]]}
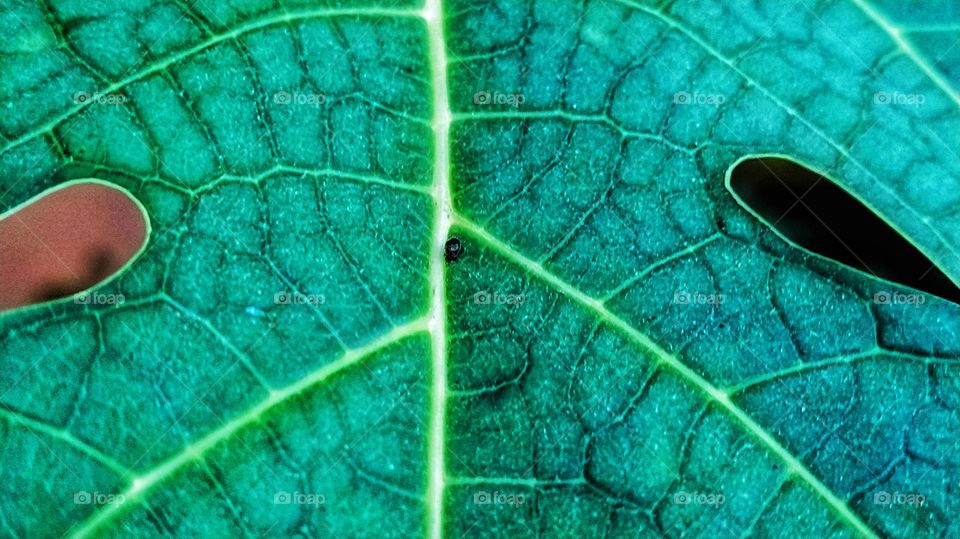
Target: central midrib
{"points": [[433, 15], [442, 115]]}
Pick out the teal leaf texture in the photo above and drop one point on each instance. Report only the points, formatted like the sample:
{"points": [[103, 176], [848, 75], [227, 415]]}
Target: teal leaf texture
{"points": [[620, 350]]}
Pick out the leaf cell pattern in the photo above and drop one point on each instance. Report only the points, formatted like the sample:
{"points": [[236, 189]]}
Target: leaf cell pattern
{"points": [[621, 351]]}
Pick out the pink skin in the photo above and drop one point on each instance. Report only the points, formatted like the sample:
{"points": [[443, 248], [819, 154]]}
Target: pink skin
{"points": [[67, 241]]}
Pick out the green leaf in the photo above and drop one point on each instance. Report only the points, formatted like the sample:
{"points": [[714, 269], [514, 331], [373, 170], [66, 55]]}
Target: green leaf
{"points": [[621, 350]]}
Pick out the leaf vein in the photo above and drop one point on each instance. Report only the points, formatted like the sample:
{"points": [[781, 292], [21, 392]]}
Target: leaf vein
{"points": [[662, 356]]}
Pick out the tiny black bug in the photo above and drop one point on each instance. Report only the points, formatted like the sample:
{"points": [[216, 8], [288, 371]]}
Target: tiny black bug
{"points": [[453, 249]]}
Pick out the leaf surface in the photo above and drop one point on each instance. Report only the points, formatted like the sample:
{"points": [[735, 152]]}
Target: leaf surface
{"points": [[621, 350]]}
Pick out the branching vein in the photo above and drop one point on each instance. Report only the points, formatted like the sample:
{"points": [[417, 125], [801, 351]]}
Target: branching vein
{"points": [[713, 394], [146, 481]]}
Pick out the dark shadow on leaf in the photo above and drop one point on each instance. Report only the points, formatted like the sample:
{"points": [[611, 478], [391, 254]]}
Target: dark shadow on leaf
{"points": [[101, 263]]}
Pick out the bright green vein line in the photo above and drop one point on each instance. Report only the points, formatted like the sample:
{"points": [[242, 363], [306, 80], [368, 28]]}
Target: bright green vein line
{"points": [[142, 484], [716, 395], [907, 48], [224, 341], [688, 250], [569, 117], [874, 354], [57, 433], [433, 16], [239, 30], [277, 170], [789, 109]]}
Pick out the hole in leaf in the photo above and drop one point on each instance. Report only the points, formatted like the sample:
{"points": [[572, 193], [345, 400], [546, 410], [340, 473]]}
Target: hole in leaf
{"points": [[67, 240], [815, 213]]}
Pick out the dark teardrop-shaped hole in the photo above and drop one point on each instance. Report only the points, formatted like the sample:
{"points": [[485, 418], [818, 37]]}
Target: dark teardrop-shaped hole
{"points": [[815, 213]]}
